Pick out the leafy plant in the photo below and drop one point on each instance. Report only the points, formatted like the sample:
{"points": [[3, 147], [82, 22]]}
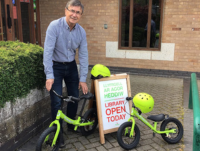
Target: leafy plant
{"points": [[21, 70]]}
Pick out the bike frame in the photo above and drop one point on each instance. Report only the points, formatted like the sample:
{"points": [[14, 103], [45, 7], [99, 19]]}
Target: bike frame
{"points": [[61, 115], [141, 118]]}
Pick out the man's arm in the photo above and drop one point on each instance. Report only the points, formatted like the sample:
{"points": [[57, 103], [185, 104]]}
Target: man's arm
{"points": [[83, 60], [49, 46]]}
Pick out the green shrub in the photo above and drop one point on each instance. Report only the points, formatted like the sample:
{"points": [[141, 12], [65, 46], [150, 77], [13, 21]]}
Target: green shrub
{"points": [[21, 69]]}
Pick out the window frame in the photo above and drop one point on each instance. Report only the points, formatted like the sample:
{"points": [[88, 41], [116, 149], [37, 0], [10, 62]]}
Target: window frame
{"points": [[131, 29]]}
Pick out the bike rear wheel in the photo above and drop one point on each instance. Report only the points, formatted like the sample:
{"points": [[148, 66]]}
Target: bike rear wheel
{"points": [[172, 123], [123, 136], [46, 146], [90, 115]]}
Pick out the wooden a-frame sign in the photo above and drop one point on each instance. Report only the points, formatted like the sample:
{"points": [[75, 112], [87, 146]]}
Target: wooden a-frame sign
{"points": [[112, 107]]}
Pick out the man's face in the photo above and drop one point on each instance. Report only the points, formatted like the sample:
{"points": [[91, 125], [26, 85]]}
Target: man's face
{"points": [[73, 14]]}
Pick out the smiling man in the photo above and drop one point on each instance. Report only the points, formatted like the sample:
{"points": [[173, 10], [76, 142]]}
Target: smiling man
{"points": [[63, 37]]}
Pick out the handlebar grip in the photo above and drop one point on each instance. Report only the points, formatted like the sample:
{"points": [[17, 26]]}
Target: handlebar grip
{"points": [[60, 96], [129, 98], [68, 99]]}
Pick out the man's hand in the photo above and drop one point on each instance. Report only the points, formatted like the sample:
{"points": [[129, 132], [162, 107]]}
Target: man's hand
{"points": [[84, 87], [49, 83]]}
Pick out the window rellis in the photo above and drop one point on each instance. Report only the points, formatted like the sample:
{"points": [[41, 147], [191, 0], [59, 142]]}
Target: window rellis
{"points": [[140, 23]]}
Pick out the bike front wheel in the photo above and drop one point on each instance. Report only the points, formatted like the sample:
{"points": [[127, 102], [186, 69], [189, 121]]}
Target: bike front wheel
{"points": [[43, 145], [89, 116], [123, 136], [172, 123]]}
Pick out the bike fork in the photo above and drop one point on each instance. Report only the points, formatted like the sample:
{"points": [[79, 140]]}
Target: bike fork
{"points": [[132, 128], [57, 123]]}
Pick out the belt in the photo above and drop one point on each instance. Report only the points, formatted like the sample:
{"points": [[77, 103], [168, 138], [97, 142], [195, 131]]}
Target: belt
{"points": [[63, 62]]}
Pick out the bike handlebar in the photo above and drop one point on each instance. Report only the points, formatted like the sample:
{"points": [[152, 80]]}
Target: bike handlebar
{"points": [[60, 96], [133, 105], [75, 99], [68, 99], [129, 98]]}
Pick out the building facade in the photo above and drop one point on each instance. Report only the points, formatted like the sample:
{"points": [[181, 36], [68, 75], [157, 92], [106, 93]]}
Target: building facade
{"points": [[180, 30], [116, 31]]}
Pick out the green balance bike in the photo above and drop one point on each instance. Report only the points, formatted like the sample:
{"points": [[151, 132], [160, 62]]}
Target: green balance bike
{"points": [[128, 134], [50, 140]]}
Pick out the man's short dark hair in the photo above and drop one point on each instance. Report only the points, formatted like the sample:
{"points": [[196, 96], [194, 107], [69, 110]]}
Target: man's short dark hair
{"points": [[75, 3]]}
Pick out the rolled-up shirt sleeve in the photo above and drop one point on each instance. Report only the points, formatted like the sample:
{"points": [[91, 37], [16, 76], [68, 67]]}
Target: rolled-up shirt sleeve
{"points": [[83, 58], [49, 46]]}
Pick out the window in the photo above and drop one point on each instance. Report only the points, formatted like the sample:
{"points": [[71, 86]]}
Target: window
{"points": [[140, 24]]}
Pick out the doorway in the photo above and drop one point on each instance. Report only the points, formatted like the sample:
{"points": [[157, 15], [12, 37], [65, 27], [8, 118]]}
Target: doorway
{"points": [[20, 20]]}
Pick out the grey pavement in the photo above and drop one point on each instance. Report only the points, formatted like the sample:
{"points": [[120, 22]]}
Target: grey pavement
{"points": [[170, 96]]}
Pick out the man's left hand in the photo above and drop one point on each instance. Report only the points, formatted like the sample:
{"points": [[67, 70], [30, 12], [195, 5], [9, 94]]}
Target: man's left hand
{"points": [[84, 87]]}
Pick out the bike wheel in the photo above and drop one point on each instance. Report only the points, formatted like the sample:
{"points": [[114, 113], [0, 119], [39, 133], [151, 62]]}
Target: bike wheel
{"points": [[90, 115], [172, 123], [124, 140], [46, 146]]}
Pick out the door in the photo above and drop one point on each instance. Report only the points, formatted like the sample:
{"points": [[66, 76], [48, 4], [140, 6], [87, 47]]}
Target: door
{"points": [[1, 24], [21, 21], [6, 29]]}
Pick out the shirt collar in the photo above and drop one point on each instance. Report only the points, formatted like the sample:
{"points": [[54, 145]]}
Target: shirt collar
{"points": [[66, 24]]}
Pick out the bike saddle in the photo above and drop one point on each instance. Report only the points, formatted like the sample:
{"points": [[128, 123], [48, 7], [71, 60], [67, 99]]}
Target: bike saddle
{"points": [[156, 118], [87, 96]]}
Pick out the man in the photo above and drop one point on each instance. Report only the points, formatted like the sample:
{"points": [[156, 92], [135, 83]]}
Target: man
{"points": [[153, 31], [63, 37]]}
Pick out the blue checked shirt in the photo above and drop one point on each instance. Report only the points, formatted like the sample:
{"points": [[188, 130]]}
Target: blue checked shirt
{"points": [[61, 44]]}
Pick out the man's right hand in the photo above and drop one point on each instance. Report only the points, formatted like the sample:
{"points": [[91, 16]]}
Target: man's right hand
{"points": [[49, 83]]}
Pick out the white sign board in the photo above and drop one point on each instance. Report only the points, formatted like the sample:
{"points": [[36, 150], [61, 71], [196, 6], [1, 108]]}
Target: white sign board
{"points": [[114, 106]]}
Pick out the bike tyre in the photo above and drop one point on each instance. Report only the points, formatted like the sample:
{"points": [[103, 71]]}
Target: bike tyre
{"points": [[180, 130], [120, 132], [42, 137], [87, 116]]}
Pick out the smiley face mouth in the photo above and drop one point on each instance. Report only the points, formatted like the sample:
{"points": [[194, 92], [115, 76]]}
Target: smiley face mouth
{"points": [[73, 18]]}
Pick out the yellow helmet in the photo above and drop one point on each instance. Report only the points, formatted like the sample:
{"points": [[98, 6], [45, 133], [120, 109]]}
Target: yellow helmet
{"points": [[99, 71], [144, 102]]}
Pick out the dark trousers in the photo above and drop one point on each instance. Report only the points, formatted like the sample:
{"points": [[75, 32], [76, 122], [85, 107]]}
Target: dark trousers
{"points": [[69, 73]]}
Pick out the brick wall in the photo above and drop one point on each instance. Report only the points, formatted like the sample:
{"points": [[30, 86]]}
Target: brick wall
{"points": [[49, 11], [181, 25]]}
